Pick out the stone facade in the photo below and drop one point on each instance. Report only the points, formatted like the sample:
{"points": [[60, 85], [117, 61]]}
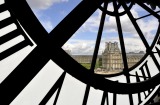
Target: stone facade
{"points": [[112, 57]]}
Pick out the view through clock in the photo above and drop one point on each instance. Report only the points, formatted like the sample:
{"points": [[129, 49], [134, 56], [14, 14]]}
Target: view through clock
{"points": [[101, 53]]}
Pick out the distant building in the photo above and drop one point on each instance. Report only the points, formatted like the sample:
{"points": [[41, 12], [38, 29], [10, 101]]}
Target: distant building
{"points": [[82, 58], [133, 58], [111, 58]]}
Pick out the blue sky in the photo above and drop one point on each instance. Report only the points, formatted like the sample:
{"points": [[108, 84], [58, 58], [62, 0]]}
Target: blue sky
{"points": [[51, 12]]}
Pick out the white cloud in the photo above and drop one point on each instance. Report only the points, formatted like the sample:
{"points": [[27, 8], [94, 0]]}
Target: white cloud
{"points": [[86, 47], [134, 45], [133, 42], [47, 24], [148, 27], [43, 4], [110, 25]]}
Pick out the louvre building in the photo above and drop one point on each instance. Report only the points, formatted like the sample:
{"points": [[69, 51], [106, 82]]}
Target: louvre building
{"points": [[111, 58]]}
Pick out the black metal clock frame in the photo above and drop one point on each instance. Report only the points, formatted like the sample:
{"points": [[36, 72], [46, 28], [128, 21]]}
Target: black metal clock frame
{"points": [[21, 14]]}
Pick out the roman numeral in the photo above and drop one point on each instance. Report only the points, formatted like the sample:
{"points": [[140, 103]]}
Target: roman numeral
{"points": [[148, 76], [140, 93], [8, 34], [145, 65]]}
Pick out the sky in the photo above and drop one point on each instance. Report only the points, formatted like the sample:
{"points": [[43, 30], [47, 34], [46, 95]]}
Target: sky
{"points": [[51, 12]]}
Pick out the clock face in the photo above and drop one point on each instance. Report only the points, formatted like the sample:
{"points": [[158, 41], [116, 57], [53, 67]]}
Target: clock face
{"points": [[35, 69]]}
